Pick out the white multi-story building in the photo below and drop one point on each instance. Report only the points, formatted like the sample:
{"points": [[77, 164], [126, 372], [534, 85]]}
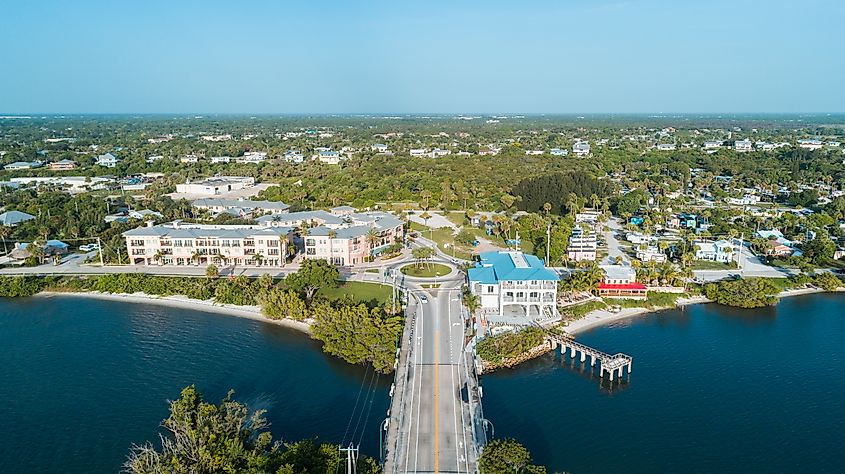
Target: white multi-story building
{"points": [[581, 149], [719, 251], [810, 144], [743, 146], [558, 152], [582, 246], [252, 157], [220, 159], [294, 156], [108, 160], [379, 148], [329, 157], [513, 284], [418, 152], [215, 186], [352, 238], [183, 244]]}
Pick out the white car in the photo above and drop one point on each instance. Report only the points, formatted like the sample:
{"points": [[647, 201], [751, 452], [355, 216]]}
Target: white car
{"points": [[88, 247], [423, 299]]}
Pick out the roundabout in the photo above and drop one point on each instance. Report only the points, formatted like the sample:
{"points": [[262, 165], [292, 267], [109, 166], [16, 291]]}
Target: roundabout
{"points": [[426, 270]]}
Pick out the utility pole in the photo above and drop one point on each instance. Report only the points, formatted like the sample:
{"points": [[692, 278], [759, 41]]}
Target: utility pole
{"points": [[351, 459], [548, 241], [100, 251]]}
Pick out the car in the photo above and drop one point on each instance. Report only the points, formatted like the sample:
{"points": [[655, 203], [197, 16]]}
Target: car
{"points": [[423, 299], [88, 247]]}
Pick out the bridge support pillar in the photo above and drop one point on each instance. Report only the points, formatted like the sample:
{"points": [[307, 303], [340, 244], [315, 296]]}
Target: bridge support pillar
{"points": [[572, 352], [611, 374], [592, 360], [583, 357]]}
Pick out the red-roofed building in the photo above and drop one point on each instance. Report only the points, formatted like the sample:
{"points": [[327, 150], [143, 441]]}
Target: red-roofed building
{"points": [[620, 281]]}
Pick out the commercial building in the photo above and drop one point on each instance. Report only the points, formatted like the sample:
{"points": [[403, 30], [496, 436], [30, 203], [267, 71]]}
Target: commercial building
{"points": [[620, 281], [510, 283], [183, 244], [351, 239], [582, 246], [240, 207], [215, 186]]}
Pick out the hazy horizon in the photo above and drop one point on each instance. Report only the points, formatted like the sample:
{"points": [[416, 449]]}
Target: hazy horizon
{"points": [[597, 57]]}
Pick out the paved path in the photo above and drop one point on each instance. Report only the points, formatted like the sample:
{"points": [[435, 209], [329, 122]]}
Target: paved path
{"points": [[614, 248]]}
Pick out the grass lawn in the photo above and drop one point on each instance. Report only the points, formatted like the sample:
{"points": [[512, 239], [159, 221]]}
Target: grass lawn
{"points": [[426, 270], [372, 270], [359, 291], [708, 265], [442, 237], [457, 218]]}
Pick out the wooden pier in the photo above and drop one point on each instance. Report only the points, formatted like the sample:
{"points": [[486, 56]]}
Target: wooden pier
{"points": [[609, 364]]}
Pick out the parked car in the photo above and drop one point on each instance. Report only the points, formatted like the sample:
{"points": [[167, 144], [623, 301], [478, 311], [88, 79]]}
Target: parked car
{"points": [[89, 247]]}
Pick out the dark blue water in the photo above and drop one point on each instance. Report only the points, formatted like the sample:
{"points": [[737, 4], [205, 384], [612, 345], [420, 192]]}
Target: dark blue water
{"points": [[82, 379], [713, 389]]}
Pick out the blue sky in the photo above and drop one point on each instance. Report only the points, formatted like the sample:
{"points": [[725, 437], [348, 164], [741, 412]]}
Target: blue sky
{"points": [[529, 56]]}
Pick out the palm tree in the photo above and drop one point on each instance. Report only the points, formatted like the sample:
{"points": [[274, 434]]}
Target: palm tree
{"points": [[195, 257], [425, 216], [547, 207], [332, 235], [372, 239], [159, 255], [257, 258], [4, 232]]}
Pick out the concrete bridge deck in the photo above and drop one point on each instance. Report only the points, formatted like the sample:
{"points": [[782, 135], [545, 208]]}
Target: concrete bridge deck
{"points": [[435, 407]]}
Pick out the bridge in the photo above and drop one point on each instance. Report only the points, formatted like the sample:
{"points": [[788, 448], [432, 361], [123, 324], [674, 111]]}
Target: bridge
{"points": [[436, 423]]}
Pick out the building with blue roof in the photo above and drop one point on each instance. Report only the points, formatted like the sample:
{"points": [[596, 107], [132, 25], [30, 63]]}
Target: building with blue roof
{"points": [[513, 284]]}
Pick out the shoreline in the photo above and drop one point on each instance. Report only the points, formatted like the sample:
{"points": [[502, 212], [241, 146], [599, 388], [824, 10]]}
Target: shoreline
{"points": [[603, 317], [208, 306]]}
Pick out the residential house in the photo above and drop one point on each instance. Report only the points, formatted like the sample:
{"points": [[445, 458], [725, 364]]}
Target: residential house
{"points": [[712, 145], [810, 144], [189, 159], [252, 157], [62, 165], [558, 152], [219, 159], [14, 218], [721, 251], [666, 147], [22, 165], [418, 152], [108, 160], [329, 157], [379, 148], [511, 283], [294, 156], [651, 253], [742, 146], [581, 149]]}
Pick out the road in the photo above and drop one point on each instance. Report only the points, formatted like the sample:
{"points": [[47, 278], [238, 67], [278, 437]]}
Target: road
{"points": [[614, 248], [433, 427]]}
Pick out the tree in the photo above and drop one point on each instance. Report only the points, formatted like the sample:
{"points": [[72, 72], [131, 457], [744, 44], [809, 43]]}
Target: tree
{"points": [[471, 301], [258, 258], [507, 456], [229, 437], [211, 271], [820, 249], [4, 233], [204, 437], [283, 304], [313, 275], [372, 239], [422, 254]]}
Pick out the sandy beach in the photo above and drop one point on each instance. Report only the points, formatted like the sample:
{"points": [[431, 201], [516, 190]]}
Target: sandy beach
{"points": [[249, 312], [601, 317]]}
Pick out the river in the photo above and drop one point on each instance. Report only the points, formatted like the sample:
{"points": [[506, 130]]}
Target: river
{"points": [[82, 379], [713, 389]]}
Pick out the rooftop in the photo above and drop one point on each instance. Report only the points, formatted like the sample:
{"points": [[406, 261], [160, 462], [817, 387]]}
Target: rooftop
{"points": [[509, 266]]}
